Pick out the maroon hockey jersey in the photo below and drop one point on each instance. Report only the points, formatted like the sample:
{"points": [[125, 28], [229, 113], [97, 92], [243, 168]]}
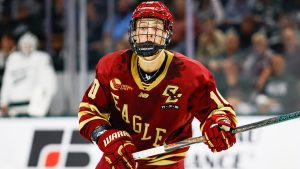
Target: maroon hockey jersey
{"points": [[153, 114]]}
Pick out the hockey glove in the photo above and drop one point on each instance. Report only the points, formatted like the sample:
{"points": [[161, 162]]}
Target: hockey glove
{"points": [[214, 131], [117, 150]]}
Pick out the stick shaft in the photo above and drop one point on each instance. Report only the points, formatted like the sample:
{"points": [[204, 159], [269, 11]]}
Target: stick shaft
{"points": [[189, 141], [267, 122]]}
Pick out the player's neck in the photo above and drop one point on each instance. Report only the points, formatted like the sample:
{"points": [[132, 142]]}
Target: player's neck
{"points": [[152, 63]]}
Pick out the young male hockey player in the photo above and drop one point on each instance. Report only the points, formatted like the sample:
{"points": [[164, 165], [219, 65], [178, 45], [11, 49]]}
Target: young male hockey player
{"points": [[147, 96]]}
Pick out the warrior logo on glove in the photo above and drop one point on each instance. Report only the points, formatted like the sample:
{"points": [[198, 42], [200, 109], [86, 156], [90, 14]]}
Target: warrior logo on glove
{"points": [[117, 149]]}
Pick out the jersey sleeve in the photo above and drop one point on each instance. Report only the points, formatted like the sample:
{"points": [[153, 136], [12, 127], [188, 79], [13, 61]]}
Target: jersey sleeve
{"points": [[94, 107], [207, 101]]}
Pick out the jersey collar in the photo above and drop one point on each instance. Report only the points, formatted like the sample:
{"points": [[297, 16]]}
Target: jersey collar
{"points": [[137, 79]]}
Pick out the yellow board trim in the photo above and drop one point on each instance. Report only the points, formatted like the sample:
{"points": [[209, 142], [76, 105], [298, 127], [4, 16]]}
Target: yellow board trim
{"points": [[137, 79]]}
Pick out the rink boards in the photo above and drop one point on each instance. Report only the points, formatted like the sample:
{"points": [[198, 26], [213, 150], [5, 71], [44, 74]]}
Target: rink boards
{"points": [[56, 143]]}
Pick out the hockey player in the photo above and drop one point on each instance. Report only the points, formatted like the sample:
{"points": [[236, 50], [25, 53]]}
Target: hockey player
{"points": [[147, 96], [29, 82]]}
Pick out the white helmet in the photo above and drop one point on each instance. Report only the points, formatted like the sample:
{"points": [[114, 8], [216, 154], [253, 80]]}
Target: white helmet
{"points": [[28, 43]]}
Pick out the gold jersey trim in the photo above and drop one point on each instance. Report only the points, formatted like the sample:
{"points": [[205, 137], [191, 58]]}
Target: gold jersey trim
{"points": [[82, 113], [94, 108], [164, 160], [84, 122], [137, 79], [182, 154], [222, 111]]}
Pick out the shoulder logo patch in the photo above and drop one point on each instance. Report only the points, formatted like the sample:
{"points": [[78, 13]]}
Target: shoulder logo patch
{"points": [[116, 84]]}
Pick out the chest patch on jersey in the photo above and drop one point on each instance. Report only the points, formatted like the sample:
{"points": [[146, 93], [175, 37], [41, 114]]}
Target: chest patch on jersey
{"points": [[172, 94], [116, 84]]}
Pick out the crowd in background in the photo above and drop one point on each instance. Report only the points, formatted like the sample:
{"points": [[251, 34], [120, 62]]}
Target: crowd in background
{"points": [[251, 46]]}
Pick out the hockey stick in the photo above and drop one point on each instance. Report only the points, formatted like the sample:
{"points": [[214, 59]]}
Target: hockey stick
{"points": [[189, 141]]}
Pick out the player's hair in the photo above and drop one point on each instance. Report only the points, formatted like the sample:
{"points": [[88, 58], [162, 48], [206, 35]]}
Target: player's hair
{"points": [[150, 9]]}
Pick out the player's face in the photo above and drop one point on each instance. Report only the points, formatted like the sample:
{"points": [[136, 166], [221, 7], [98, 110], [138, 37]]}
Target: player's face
{"points": [[150, 30], [26, 47]]}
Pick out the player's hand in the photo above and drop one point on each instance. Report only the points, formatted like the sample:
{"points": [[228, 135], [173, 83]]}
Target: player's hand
{"points": [[216, 131], [117, 150], [4, 111]]}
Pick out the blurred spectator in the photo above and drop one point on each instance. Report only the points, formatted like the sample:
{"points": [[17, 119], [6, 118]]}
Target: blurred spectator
{"points": [[236, 10], [6, 21], [280, 88], [178, 37], [266, 10], [29, 81], [213, 8], [57, 50], [116, 27], [232, 47], [95, 22], [211, 41], [179, 26], [205, 9], [291, 51], [8, 45], [26, 21], [226, 66], [247, 28], [57, 18], [283, 21], [257, 67]]}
